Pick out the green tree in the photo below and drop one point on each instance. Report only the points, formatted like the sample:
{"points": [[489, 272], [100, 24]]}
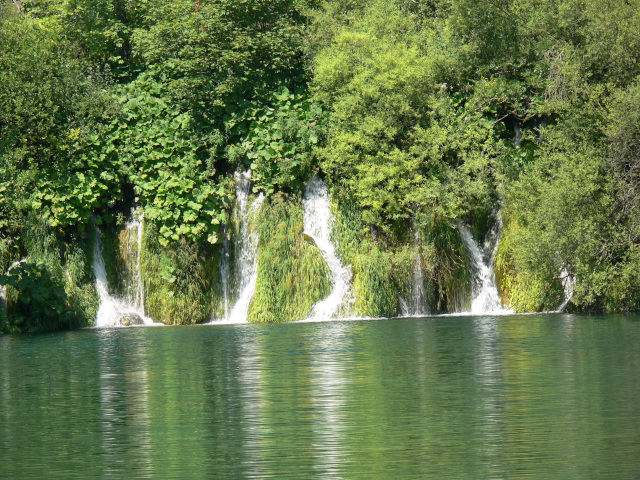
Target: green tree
{"points": [[47, 100], [211, 50]]}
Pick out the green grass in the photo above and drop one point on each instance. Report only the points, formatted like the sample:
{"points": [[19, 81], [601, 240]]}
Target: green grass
{"points": [[179, 280], [292, 275], [373, 286]]}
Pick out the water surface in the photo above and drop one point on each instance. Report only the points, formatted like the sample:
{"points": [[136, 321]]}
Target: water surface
{"points": [[534, 396]]}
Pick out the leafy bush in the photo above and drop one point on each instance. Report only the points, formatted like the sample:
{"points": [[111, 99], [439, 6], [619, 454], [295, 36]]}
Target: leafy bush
{"points": [[170, 162], [37, 300], [46, 101], [276, 139]]}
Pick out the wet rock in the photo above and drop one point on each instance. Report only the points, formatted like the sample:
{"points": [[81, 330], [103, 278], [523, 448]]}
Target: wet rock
{"points": [[130, 319]]}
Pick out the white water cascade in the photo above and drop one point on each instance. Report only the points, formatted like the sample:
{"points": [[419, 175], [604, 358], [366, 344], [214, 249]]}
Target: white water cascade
{"points": [[246, 247], [568, 284], [113, 311], [316, 205], [417, 287], [485, 293], [225, 269], [137, 291], [403, 308]]}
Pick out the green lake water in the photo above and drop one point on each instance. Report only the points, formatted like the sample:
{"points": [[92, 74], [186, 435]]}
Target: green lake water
{"points": [[531, 396]]}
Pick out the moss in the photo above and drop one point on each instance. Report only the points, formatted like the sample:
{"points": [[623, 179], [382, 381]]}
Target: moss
{"points": [[110, 240], [403, 267], [78, 255], [214, 275], [520, 290], [349, 232], [375, 291], [450, 266], [42, 244], [403, 263], [179, 280], [292, 275], [84, 300], [444, 260], [9, 253], [61, 268], [114, 264]]}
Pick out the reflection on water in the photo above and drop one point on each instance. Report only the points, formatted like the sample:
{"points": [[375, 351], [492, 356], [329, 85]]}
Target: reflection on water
{"points": [[257, 433], [540, 396], [329, 394], [125, 431], [488, 372]]}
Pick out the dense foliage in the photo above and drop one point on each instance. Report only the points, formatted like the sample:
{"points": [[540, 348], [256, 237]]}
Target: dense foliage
{"points": [[420, 115]]}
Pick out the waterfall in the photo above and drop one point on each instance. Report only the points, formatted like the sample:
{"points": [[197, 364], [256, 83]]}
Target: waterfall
{"points": [[517, 135], [485, 292], [140, 289], [246, 246], [568, 284], [417, 277], [225, 270], [417, 288], [113, 311], [402, 306], [316, 206]]}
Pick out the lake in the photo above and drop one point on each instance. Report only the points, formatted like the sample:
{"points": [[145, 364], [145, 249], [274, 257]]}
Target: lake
{"points": [[449, 397]]}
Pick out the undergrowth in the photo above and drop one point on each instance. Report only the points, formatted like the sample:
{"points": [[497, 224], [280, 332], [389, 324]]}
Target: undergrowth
{"points": [[52, 289]]}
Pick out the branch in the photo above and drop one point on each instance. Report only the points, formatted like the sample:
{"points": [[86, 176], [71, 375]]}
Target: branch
{"points": [[19, 5], [502, 118]]}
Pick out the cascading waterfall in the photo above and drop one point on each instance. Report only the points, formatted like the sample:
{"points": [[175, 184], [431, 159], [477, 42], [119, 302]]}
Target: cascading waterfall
{"points": [[316, 205], [403, 307], [246, 246], [115, 312], [417, 287], [225, 269], [140, 289], [131, 248], [568, 284], [485, 293]]}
